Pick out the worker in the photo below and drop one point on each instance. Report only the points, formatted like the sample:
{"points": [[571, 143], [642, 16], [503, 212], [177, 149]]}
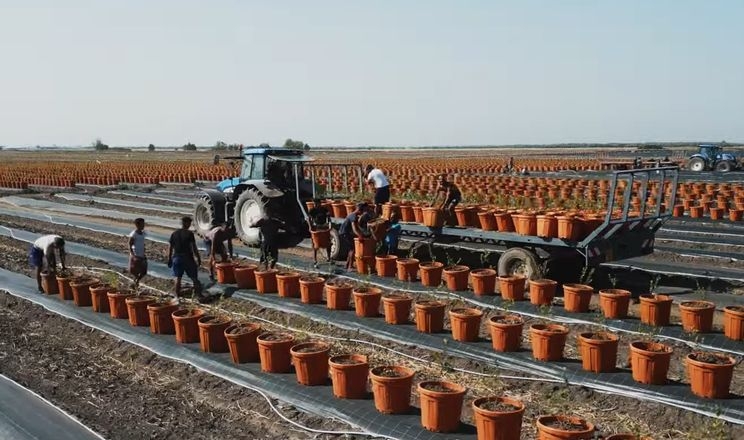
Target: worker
{"points": [[349, 230], [137, 257], [452, 196], [318, 220], [43, 250], [183, 257], [392, 235], [215, 240], [376, 178], [269, 230]]}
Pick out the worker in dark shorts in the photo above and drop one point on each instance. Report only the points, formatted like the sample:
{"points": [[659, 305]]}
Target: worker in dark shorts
{"points": [[137, 257], [452, 197], [42, 250], [349, 229], [376, 178], [215, 240], [183, 257], [319, 219], [269, 228]]}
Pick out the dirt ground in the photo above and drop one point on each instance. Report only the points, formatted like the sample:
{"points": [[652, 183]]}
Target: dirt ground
{"points": [[614, 412]]}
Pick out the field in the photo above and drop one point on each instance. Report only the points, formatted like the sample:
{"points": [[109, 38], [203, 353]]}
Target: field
{"points": [[122, 381]]}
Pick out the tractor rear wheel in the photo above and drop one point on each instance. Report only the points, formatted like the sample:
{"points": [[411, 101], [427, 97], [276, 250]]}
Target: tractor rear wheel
{"points": [[519, 262], [696, 164], [339, 250], [249, 208], [724, 166], [206, 215]]}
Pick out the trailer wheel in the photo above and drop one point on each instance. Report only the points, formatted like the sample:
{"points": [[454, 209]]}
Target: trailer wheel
{"points": [[519, 261], [338, 249]]}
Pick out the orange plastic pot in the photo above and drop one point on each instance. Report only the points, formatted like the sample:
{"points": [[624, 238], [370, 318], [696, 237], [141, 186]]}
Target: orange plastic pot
{"points": [[456, 277], [349, 374], [212, 333], [512, 288], [117, 304], [245, 276], [273, 350], [385, 265], [547, 226], [99, 298], [733, 322], [311, 289], [49, 283], [81, 292], [716, 213], [241, 341], [288, 284], [548, 341], [441, 405], [656, 309], [433, 217], [397, 308], [311, 362], [542, 291], [495, 421], [483, 281], [225, 272], [577, 297], [598, 351], [465, 323], [364, 247], [137, 310], [407, 269], [735, 215], [504, 222], [568, 228], [407, 214], [487, 221], [649, 362], [678, 210], [546, 430], [364, 265], [64, 289], [710, 374], [614, 303], [185, 322], [338, 294], [506, 332], [321, 238], [431, 273], [367, 301], [266, 280], [696, 211], [429, 316], [697, 316], [525, 224], [391, 387], [161, 321]]}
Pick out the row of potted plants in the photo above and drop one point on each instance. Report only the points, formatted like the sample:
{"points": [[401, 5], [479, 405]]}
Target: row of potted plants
{"points": [[649, 361], [495, 417]]}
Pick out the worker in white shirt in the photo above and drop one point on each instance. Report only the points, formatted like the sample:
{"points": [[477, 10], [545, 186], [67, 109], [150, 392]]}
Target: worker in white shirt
{"points": [[376, 177], [43, 249], [137, 257]]}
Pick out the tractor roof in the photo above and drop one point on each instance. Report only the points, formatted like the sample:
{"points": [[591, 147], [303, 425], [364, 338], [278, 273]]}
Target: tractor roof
{"points": [[708, 145], [274, 151]]}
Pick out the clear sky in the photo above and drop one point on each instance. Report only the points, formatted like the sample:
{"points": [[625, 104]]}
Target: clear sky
{"points": [[372, 72]]}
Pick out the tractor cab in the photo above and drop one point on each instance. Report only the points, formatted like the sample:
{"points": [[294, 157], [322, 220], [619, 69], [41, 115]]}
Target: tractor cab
{"points": [[709, 151]]}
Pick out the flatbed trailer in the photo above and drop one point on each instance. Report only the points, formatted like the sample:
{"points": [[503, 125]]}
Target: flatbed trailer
{"points": [[623, 234]]}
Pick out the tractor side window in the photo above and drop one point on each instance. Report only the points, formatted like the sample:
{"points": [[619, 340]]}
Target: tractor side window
{"points": [[257, 173], [245, 172]]}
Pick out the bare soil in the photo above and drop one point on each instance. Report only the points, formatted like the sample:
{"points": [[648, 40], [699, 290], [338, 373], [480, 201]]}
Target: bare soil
{"points": [[711, 358], [496, 406], [125, 392], [566, 425], [439, 388]]}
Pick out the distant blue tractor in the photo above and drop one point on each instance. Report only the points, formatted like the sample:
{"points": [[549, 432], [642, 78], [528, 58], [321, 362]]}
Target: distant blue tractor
{"points": [[712, 157], [271, 179]]}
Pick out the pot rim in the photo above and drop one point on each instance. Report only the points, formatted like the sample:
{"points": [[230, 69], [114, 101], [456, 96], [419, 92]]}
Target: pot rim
{"points": [[667, 349], [363, 360], [454, 387], [590, 426], [564, 330], [407, 372], [323, 347], [501, 399], [697, 363]]}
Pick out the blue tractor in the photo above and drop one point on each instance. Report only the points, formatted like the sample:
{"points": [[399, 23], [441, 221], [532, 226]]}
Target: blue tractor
{"points": [[271, 180], [712, 157]]}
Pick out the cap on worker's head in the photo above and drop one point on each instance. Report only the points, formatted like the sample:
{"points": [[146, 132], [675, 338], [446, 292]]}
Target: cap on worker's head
{"points": [[361, 205], [370, 168]]}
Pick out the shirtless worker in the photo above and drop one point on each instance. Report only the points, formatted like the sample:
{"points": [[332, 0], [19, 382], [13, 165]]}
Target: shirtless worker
{"points": [[137, 257], [183, 257], [214, 240]]}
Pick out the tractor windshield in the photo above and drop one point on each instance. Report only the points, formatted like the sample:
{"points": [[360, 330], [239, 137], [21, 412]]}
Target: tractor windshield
{"points": [[281, 172]]}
